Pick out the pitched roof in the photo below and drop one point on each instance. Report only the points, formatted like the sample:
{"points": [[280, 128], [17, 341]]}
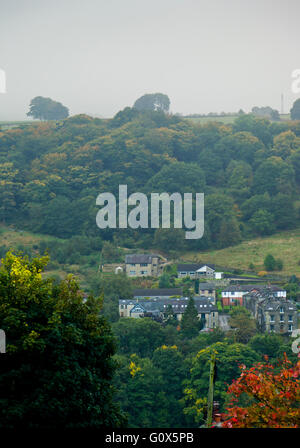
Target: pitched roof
{"points": [[193, 267], [139, 258], [203, 286], [245, 288], [273, 303], [157, 292], [203, 304]]}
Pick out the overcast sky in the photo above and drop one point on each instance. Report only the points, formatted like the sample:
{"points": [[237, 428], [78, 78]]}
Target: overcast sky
{"points": [[98, 56]]}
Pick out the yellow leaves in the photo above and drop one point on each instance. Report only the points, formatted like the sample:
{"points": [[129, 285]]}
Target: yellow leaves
{"points": [[133, 369], [31, 339], [24, 275], [168, 347]]}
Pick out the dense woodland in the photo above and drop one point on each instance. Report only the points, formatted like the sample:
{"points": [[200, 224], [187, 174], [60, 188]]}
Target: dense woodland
{"points": [[52, 172], [154, 374]]}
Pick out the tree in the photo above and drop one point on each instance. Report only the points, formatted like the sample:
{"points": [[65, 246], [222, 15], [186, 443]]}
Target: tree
{"points": [[242, 324], [268, 344], [295, 110], [270, 262], [273, 397], [267, 112], [47, 109], [262, 222], [174, 370], [229, 234], [58, 368], [164, 281], [153, 101], [112, 288], [140, 336], [229, 357], [190, 323], [178, 177], [169, 239]]}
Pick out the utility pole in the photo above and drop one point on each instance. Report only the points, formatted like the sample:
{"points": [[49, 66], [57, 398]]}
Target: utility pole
{"points": [[210, 398]]}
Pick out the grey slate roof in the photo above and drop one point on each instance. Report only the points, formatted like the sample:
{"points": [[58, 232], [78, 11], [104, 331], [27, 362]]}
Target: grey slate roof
{"points": [[245, 288], [203, 304], [139, 258], [203, 286]]}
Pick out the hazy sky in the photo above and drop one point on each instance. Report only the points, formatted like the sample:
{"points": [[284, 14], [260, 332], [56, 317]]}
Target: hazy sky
{"points": [[98, 56]]}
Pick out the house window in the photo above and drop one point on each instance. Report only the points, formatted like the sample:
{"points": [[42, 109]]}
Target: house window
{"points": [[290, 327], [281, 310], [143, 264], [290, 318], [272, 318], [272, 327], [281, 319], [132, 272]]}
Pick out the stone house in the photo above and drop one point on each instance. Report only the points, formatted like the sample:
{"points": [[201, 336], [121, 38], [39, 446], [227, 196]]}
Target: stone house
{"points": [[144, 265]]}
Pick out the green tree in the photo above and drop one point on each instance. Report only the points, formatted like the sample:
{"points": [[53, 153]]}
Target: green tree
{"points": [[169, 240], [112, 288], [190, 323], [262, 222], [242, 324], [153, 101], [270, 262], [267, 345], [141, 392], [47, 109], [174, 370], [141, 336], [295, 110], [164, 281], [229, 357], [58, 368], [178, 177]]}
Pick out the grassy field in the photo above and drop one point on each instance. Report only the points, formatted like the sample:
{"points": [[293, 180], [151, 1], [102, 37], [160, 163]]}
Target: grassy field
{"points": [[284, 245], [225, 119], [14, 124]]}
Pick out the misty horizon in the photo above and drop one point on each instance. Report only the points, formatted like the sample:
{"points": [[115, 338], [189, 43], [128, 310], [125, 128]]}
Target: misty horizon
{"points": [[98, 57]]}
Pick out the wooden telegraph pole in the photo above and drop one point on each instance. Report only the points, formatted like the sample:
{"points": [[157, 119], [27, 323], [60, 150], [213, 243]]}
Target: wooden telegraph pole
{"points": [[210, 398]]}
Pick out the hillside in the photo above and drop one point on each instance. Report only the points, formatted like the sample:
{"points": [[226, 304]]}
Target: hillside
{"points": [[52, 172], [284, 245]]}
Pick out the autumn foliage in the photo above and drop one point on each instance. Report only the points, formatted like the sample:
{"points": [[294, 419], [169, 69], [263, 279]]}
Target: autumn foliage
{"points": [[273, 393]]}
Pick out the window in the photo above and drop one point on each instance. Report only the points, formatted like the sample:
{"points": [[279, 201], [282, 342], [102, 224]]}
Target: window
{"points": [[143, 264], [290, 327], [281, 318], [132, 272], [281, 310], [290, 318], [272, 318], [272, 327]]}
